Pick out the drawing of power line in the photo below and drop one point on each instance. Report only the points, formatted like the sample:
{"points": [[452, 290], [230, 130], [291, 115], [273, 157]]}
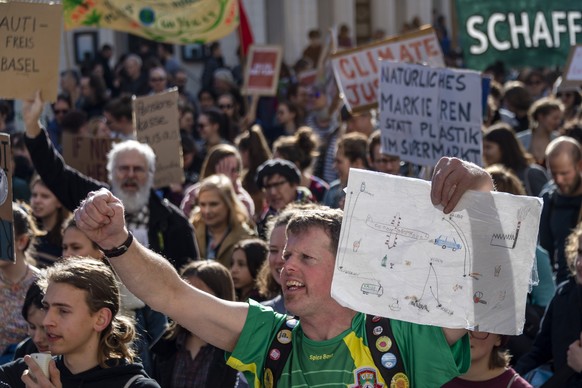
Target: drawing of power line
{"points": [[509, 240], [466, 264], [349, 209]]}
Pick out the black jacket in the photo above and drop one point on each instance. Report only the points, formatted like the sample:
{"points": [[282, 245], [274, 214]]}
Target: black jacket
{"points": [[111, 377], [561, 325], [169, 232]]}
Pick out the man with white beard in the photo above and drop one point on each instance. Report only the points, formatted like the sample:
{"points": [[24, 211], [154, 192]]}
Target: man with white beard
{"points": [[155, 222]]}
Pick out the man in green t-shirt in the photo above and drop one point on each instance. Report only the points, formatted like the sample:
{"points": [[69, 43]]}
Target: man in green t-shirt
{"points": [[329, 344]]}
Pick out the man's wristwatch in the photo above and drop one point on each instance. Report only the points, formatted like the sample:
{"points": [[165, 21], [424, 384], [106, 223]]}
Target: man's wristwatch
{"points": [[120, 250]]}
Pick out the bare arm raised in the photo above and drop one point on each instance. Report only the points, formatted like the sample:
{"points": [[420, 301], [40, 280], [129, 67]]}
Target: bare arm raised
{"points": [[451, 179], [151, 278]]}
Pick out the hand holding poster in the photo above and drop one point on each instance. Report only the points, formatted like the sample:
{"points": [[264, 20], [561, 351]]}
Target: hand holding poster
{"points": [[427, 113], [357, 70], [29, 43], [410, 261], [262, 70], [155, 118]]}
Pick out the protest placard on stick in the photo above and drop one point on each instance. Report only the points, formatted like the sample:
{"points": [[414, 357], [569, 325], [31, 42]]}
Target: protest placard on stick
{"points": [[155, 119], [357, 70], [30, 35], [262, 70]]}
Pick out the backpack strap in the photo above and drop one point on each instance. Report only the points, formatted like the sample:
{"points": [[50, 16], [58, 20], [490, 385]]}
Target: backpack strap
{"points": [[384, 349], [131, 381], [279, 352]]}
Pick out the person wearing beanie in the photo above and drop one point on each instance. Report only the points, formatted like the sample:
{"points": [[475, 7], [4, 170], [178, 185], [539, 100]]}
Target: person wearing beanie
{"points": [[279, 179]]}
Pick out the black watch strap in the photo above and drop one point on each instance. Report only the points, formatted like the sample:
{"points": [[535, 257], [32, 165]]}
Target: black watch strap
{"points": [[120, 250]]}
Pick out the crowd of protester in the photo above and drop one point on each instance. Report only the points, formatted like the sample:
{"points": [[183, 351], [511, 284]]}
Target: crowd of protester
{"points": [[247, 169]]}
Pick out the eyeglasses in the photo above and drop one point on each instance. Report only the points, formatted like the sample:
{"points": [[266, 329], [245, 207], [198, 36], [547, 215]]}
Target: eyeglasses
{"points": [[127, 169], [61, 111], [274, 185], [225, 106], [479, 335], [160, 79]]}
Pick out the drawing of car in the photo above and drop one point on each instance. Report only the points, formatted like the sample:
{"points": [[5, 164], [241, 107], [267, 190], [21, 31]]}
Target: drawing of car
{"points": [[447, 242], [371, 288]]}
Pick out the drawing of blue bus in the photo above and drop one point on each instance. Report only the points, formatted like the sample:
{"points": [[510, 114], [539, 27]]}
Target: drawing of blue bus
{"points": [[447, 242], [371, 288]]}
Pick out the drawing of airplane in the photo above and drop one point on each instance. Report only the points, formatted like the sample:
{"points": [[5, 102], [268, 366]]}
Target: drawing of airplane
{"points": [[395, 228]]}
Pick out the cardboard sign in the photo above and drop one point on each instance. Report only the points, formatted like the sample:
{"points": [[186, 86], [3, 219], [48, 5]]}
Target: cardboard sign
{"points": [[87, 154], [155, 119], [427, 113], [573, 70], [357, 70], [6, 219], [262, 70], [30, 36]]}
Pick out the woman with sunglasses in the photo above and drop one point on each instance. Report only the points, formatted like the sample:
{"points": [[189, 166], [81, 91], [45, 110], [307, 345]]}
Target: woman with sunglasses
{"points": [[489, 364]]}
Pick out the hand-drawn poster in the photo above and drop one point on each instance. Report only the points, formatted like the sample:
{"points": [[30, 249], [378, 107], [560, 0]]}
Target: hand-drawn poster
{"points": [[155, 119], [427, 113], [30, 37], [401, 257]]}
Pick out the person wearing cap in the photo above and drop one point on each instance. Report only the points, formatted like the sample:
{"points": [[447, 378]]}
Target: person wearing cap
{"points": [[279, 179], [489, 364]]}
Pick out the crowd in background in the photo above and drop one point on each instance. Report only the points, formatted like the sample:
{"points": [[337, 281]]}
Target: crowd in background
{"points": [[248, 168]]}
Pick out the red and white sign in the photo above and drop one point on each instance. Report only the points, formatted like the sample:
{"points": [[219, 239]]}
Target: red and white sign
{"points": [[357, 70], [262, 70]]}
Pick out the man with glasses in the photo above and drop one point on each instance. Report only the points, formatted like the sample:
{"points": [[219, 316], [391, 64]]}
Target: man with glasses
{"points": [[158, 80], [131, 166], [55, 127], [279, 179]]}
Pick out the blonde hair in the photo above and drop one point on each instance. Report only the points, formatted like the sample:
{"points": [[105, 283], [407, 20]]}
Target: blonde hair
{"points": [[221, 184]]}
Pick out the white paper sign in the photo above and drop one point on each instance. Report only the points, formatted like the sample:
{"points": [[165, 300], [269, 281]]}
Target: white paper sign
{"points": [[403, 258], [427, 113]]}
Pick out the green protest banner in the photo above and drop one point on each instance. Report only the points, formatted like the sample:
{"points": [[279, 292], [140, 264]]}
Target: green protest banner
{"points": [[521, 33]]}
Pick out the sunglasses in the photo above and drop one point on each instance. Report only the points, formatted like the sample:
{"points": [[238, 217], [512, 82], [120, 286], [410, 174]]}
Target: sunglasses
{"points": [[157, 79]]}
